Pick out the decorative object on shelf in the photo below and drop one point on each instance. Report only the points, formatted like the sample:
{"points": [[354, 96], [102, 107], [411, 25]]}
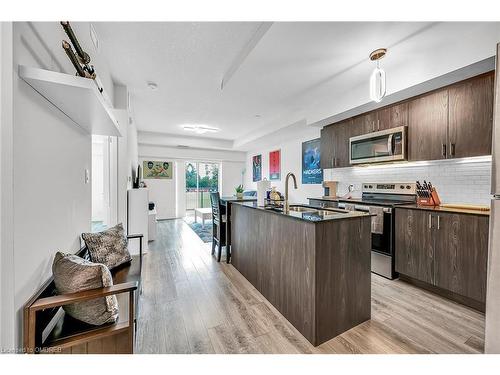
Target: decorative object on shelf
{"points": [[157, 169], [427, 195], [239, 191], [311, 170], [256, 168], [79, 58], [377, 79], [275, 165]]}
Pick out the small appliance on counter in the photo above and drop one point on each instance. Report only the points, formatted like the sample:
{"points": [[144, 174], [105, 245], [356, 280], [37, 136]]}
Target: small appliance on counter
{"points": [[427, 194], [330, 189], [262, 188]]}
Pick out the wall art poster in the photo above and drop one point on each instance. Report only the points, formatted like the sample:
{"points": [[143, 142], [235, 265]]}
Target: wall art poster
{"points": [[311, 170], [275, 165], [157, 169], [257, 168]]}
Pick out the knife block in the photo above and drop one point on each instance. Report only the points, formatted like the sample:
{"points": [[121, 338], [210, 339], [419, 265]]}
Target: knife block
{"points": [[433, 200]]}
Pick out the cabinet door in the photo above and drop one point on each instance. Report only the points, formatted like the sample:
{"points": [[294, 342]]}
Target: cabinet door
{"points": [[327, 142], [363, 124], [461, 253], [392, 117], [345, 130], [414, 244], [427, 126], [471, 117]]}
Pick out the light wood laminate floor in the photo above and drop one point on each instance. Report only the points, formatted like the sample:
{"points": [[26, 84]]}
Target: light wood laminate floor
{"points": [[192, 304]]}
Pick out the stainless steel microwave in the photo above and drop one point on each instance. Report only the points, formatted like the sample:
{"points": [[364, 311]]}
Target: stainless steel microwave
{"points": [[382, 146]]}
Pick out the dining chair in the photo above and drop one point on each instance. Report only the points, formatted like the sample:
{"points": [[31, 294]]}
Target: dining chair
{"points": [[219, 226]]}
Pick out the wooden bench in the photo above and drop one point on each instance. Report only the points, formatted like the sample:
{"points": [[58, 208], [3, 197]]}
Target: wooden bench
{"points": [[47, 329]]}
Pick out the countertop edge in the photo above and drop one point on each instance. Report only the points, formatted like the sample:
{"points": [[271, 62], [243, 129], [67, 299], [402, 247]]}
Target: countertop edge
{"points": [[445, 210]]}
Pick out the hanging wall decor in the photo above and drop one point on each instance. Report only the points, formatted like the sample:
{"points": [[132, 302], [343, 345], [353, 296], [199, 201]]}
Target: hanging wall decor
{"points": [[275, 165], [257, 168], [157, 169], [311, 170]]}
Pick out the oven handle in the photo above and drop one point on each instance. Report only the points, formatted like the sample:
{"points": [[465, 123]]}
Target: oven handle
{"points": [[362, 208]]}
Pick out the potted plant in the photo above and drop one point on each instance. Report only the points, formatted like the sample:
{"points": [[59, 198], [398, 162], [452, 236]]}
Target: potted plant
{"points": [[239, 191]]}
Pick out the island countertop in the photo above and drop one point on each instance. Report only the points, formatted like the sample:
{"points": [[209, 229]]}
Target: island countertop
{"points": [[315, 215]]}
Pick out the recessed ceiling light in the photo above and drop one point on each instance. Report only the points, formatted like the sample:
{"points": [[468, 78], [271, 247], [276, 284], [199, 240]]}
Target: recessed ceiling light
{"points": [[152, 85], [258, 116], [200, 129]]}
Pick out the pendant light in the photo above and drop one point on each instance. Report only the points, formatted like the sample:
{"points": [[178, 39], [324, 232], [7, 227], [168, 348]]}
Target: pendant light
{"points": [[377, 79]]}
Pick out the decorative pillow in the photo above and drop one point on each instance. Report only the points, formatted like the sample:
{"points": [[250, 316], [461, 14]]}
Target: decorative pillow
{"points": [[74, 274], [108, 247]]}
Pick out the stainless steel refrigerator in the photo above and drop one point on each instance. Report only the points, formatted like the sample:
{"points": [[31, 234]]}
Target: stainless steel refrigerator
{"points": [[492, 337]]}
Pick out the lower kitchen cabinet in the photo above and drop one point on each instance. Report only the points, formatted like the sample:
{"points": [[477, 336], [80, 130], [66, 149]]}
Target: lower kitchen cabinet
{"points": [[461, 253], [414, 245], [445, 251]]}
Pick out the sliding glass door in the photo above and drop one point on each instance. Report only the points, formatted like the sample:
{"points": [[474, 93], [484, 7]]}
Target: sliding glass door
{"points": [[201, 179]]}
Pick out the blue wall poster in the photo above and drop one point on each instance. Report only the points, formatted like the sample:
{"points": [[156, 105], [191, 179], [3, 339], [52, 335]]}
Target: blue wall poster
{"points": [[311, 171]]}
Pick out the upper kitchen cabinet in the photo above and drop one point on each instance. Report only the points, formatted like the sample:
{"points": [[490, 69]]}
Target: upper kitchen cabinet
{"points": [[392, 117], [327, 142], [427, 126], [471, 117], [364, 123], [335, 145]]}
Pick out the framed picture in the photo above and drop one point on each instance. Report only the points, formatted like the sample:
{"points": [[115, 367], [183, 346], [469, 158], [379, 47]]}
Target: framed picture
{"points": [[275, 165], [311, 156], [157, 169], [257, 168]]}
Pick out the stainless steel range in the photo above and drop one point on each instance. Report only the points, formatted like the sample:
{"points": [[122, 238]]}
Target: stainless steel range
{"points": [[379, 199]]}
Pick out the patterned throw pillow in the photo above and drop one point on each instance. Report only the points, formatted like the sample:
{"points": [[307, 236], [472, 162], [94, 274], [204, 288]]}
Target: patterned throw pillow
{"points": [[74, 274], [108, 247]]}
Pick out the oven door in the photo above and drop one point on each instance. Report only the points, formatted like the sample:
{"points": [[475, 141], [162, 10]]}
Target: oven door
{"points": [[383, 146], [381, 227]]}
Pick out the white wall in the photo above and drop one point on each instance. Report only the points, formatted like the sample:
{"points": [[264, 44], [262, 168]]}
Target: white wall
{"points": [[232, 176], [163, 192], [291, 161], [457, 181], [7, 315], [52, 203]]}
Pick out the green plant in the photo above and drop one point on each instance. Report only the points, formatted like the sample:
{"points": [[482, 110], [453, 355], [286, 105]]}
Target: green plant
{"points": [[239, 189]]}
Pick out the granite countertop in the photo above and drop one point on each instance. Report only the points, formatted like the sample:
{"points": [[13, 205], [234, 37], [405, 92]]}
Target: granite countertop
{"points": [[315, 216], [446, 209]]}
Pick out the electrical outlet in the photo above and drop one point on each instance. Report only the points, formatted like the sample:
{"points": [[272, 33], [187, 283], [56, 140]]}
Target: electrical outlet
{"points": [[87, 176]]}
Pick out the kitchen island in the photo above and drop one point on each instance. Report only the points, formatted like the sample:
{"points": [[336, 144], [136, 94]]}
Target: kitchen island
{"points": [[312, 265]]}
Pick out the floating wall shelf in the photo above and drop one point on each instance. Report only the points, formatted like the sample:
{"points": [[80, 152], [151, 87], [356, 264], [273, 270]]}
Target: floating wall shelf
{"points": [[77, 97]]}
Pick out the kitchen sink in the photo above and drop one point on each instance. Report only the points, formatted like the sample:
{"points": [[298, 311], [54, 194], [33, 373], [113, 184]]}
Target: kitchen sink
{"points": [[302, 209]]}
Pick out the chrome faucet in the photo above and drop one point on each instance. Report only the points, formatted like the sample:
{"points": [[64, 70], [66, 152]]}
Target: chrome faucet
{"points": [[286, 205]]}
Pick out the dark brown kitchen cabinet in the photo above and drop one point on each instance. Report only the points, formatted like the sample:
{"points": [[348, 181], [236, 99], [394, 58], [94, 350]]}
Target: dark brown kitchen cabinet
{"points": [[461, 253], [365, 123], [414, 245], [446, 251], [327, 145], [335, 145], [470, 117], [392, 117], [427, 126], [343, 132]]}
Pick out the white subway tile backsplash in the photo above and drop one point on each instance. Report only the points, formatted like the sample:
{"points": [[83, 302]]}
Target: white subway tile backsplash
{"points": [[457, 181]]}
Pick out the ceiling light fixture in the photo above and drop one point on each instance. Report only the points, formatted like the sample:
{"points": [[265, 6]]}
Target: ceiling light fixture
{"points": [[377, 79], [200, 129], [152, 85]]}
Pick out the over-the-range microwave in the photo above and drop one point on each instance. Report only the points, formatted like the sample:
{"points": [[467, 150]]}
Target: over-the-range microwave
{"points": [[382, 146]]}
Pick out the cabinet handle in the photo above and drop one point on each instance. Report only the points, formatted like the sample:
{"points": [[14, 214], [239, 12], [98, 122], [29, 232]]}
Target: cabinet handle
{"points": [[452, 149], [443, 149], [378, 124], [430, 221], [438, 221], [373, 126], [334, 162]]}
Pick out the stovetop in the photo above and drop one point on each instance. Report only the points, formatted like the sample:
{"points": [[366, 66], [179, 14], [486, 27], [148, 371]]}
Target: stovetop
{"points": [[376, 202]]}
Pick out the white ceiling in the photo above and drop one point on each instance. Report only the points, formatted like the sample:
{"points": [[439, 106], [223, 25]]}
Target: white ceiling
{"points": [[296, 71]]}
